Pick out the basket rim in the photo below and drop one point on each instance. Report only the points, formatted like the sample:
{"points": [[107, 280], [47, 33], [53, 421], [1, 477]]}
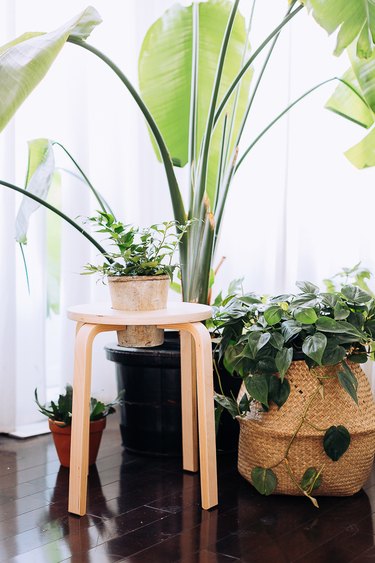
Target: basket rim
{"points": [[257, 424]]}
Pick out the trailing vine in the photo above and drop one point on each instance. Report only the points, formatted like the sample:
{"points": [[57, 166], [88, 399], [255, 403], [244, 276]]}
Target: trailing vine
{"points": [[259, 339]]}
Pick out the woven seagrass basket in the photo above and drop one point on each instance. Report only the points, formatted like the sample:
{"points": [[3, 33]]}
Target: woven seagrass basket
{"points": [[263, 442]]}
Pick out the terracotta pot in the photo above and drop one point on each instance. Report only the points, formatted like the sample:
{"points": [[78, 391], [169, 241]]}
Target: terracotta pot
{"points": [[62, 434], [139, 293]]}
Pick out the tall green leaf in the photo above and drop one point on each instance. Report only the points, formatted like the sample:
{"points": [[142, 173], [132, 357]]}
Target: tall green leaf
{"points": [[348, 101], [26, 60], [165, 75], [354, 99], [354, 20], [38, 182]]}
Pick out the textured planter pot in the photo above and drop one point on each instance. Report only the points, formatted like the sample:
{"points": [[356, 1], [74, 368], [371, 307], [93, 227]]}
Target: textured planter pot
{"points": [[139, 293], [263, 442], [62, 436]]}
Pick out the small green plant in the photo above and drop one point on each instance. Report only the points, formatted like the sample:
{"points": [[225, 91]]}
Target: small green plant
{"points": [[61, 411], [138, 252], [260, 337], [356, 275]]}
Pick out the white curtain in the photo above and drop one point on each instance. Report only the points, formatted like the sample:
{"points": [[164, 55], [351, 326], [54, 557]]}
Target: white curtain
{"points": [[297, 209]]}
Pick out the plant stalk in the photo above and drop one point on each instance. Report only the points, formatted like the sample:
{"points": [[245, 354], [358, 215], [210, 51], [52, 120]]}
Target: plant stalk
{"points": [[60, 214]]}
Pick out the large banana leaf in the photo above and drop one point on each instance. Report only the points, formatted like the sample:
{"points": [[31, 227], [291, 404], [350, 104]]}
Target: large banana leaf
{"points": [[349, 101], [357, 103], [354, 20], [26, 60], [165, 76]]}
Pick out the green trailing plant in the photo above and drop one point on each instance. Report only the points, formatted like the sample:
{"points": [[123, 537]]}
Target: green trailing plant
{"points": [[356, 275], [196, 69], [138, 252], [61, 410], [260, 337]]}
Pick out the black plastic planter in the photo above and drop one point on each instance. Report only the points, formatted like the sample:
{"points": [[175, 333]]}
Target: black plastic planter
{"points": [[151, 412]]}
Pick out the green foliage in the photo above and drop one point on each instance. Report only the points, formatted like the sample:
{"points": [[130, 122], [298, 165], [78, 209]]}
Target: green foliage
{"points": [[264, 480], [348, 381], [61, 411], [311, 480], [354, 21], [261, 336], [138, 252], [199, 76], [356, 275], [336, 441]]}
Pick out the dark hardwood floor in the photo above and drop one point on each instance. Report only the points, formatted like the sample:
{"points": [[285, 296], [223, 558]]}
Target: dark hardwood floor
{"points": [[147, 510]]}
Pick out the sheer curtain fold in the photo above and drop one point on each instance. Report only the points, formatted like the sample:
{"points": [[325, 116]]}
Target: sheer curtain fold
{"points": [[289, 214]]}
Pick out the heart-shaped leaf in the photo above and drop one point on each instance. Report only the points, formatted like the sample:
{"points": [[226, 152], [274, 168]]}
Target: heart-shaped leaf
{"points": [[277, 340], [333, 354], [264, 480], [278, 390], [336, 441], [257, 387], [290, 329], [346, 383], [326, 324], [273, 315], [283, 360], [255, 342], [307, 287], [314, 346], [341, 312], [355, 294], [306, 315], [311, 480]]}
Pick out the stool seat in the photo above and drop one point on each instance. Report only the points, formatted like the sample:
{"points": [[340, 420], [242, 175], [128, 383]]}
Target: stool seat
{"points": [[198, 421], [176, 312]]}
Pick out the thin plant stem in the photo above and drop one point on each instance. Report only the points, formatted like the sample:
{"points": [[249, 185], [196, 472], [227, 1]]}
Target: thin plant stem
{"points": [[251, 60], [85, 178], [289, 107], [60, 214]]}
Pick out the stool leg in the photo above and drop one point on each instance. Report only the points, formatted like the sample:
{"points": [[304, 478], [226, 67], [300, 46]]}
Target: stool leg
{"points": [[79, 450], [206, 416], [188, 404]]}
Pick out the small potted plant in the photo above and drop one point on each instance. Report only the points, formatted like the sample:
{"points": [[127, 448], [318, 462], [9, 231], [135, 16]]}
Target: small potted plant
{"points": [[139, 270], [305, 408], [60, 418]]}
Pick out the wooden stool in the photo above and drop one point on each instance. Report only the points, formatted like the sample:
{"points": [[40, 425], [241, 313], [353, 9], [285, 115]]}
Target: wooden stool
{"points": [[196, 389]]}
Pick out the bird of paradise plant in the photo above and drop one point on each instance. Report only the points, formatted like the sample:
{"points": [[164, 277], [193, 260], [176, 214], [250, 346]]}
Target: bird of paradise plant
{"points": [[197, 90]]}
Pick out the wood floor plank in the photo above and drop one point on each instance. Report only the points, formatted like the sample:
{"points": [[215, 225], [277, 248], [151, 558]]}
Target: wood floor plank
{"points": [[144, 509]]}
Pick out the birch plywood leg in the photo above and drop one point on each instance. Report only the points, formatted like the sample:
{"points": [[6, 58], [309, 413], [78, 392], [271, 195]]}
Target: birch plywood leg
{"points": [[188, 404], [206, 416], [79, 451]]}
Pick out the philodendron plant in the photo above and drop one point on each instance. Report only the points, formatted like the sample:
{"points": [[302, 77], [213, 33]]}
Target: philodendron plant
{"points": [[196, 70], [260, 337]]}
